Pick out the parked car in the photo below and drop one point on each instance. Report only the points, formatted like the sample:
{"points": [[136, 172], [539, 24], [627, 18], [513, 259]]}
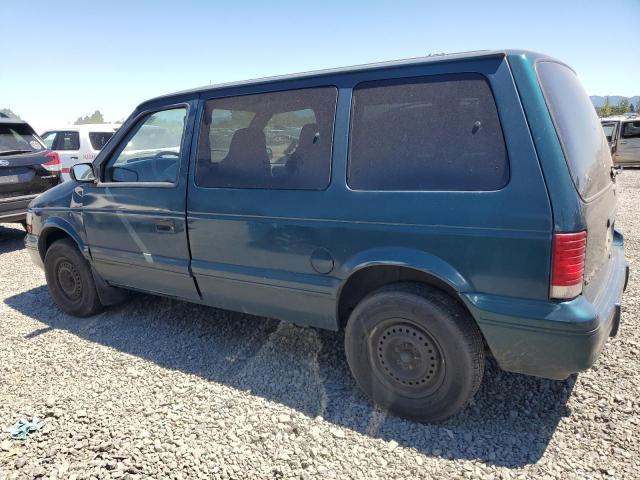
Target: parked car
{"points": [[78, 143], [434, 209], [623, 135], [27, 168]]}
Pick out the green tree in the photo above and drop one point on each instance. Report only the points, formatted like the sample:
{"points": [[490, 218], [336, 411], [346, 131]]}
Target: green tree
{"points": [[623, 106], [606, 110], [9, 113], [632, 108], [96, 117]]}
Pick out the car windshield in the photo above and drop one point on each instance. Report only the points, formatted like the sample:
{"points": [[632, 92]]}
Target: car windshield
{"points": [[18, 138], [609, 128]]}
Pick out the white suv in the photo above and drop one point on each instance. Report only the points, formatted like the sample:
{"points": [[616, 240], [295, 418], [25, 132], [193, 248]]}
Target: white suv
{"points": [[78, 143]]}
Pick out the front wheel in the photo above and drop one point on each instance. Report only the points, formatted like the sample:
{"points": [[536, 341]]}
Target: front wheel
{"points": [[70, 280], [415, 351]]}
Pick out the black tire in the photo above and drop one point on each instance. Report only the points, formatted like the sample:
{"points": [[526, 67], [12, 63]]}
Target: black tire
{"points": [[70, 280], [415, 351]]}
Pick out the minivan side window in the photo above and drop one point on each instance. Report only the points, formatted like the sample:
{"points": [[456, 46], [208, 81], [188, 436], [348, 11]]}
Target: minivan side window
{"points": [[631, 130], [275, 140], [427, 133], [151, 152]]}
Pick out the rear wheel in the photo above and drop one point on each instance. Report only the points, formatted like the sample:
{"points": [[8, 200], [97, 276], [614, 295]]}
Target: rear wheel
{"points": [[415, 351], [70, 280]]}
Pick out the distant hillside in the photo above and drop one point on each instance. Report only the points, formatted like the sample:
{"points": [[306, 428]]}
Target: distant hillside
{"points": [[598, 101]]}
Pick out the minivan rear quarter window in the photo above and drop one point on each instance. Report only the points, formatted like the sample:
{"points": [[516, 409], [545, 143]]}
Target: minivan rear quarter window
{"points": [[579, 130], [428, 133]]}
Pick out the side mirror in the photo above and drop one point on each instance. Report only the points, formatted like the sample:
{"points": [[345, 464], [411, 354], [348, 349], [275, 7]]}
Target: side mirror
{"points": [[121, 174], [83, 172]]}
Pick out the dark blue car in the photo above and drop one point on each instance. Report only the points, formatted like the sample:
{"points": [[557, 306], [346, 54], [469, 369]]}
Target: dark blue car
{"points": [[436, 209], [27, 168]]}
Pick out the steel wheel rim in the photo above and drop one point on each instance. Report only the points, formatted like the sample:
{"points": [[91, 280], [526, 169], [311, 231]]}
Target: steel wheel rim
{"points": [[68, 279], [406, 358]]}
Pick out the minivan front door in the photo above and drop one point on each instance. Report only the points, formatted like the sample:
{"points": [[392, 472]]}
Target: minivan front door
{"points": [[135, 215]]}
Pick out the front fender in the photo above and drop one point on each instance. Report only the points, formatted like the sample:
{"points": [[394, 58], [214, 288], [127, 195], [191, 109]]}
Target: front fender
{"points": [[406, 257], [71, 224]]}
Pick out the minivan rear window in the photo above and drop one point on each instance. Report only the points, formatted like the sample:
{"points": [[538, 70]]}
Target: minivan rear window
{"points": [[579, 130]]}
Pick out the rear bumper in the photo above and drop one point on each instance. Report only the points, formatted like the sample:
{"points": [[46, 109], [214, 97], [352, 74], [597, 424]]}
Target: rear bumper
{"points": [[552, 339], [14, 209]]}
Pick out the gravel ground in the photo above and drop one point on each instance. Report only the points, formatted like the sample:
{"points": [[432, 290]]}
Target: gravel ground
{"points": [[165, 389]]}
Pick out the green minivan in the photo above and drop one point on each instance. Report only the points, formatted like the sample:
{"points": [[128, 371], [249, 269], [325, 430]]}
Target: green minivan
{"points": [[436, 209]]}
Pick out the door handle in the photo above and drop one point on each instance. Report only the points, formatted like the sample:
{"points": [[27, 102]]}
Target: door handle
{"points": [[166, 226], [73, 158]]}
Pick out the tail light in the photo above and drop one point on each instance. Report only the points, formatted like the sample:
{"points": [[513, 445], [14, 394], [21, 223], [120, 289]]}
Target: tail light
{"points": [[52, 165], [567, 264]]}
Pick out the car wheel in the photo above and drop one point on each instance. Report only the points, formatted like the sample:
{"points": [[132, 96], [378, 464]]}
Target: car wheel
{"points": [[70, 280], [415, 351]]}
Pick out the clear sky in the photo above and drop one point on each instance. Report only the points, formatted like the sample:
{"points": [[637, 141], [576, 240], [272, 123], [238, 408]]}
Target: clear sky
{"points": [[62, 60]]}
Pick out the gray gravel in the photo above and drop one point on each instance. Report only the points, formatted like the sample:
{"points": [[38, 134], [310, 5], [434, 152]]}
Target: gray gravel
{"points": [[165, 389]]}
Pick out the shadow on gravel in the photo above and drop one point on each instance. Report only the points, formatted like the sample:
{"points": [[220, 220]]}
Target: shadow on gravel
{"points": [[509, 423], [11, 239]]}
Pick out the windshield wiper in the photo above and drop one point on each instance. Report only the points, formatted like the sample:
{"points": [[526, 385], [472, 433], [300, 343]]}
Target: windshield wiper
{"points": [[12, 152]]}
